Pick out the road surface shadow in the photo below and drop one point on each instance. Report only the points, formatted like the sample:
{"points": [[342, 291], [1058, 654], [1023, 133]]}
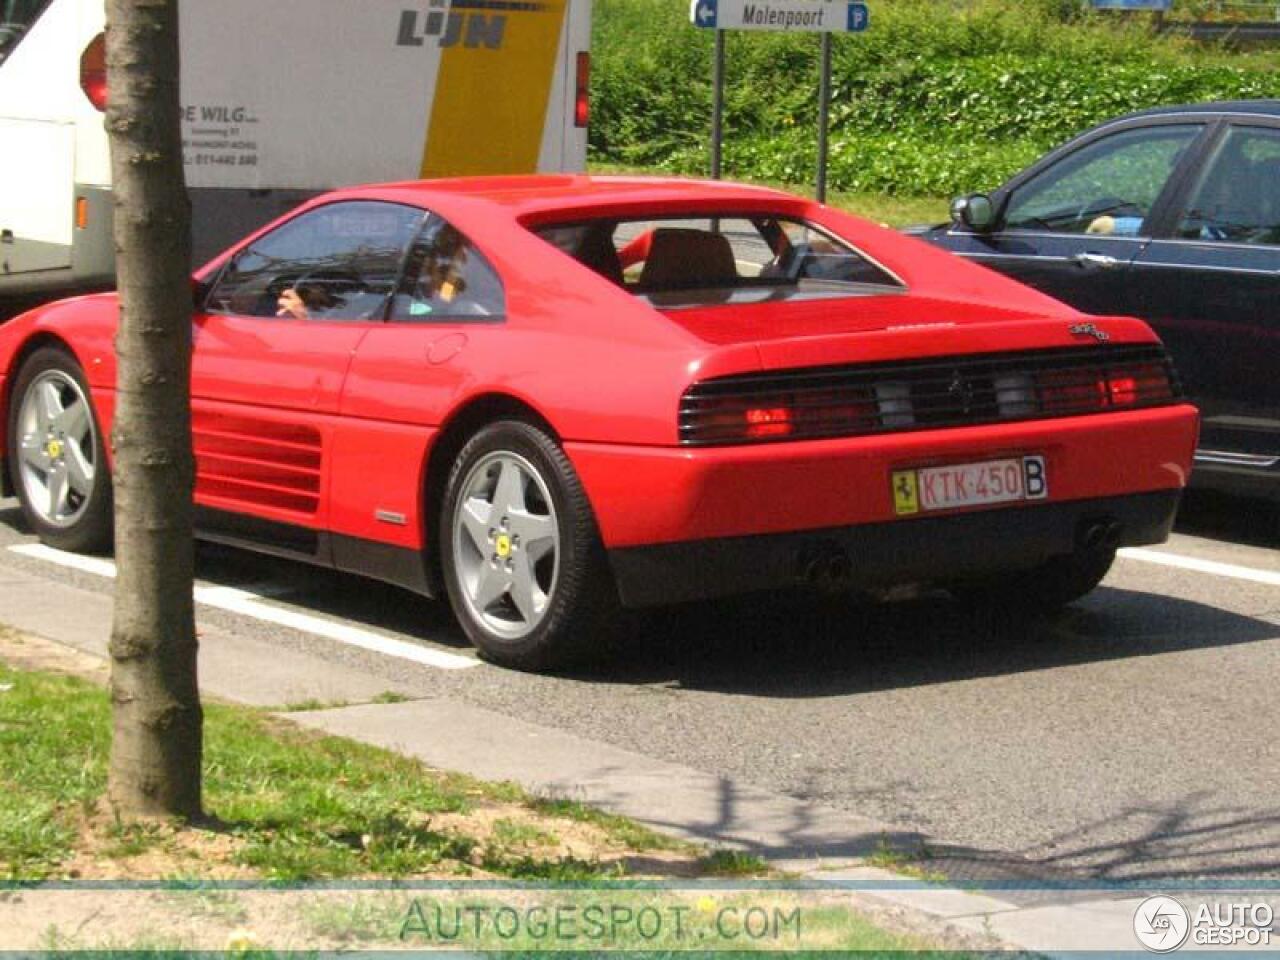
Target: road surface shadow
{"points": [[1218, 516], [1190, 840], [790, 645]]}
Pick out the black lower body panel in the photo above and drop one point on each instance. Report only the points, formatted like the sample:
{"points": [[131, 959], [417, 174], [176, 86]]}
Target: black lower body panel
{"points": [[401, 566], [912, 550]]}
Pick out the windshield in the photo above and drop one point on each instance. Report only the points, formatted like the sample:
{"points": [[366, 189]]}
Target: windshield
{"points": [[703, 260]]}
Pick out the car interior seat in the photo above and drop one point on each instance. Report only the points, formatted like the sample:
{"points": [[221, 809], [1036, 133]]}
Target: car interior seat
{"points": [[682, 258], [596, 250]]}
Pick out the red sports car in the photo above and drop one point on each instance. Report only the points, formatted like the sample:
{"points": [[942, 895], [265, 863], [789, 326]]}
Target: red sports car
{"points": [[547, 396]]}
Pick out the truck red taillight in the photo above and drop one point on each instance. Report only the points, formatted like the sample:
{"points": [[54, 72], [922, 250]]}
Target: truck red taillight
{"points": [[93, 72], [582, 91]]}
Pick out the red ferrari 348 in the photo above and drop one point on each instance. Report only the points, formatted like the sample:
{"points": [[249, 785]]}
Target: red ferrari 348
{"points": [[546, 396]]}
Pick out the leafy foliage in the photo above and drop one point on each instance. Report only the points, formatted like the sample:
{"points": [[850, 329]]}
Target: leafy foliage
{"points": [[937, 97]]}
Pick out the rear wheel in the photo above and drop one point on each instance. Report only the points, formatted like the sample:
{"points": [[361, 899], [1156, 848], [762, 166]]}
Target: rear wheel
{"points": [[56, 454], [526, 574]]}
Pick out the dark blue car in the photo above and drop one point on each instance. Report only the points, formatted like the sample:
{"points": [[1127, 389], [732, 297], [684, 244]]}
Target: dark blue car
{"points": [[1172, 215]]}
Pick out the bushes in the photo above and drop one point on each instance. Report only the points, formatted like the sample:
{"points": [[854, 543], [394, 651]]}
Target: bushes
{"points": [[939, 96]]}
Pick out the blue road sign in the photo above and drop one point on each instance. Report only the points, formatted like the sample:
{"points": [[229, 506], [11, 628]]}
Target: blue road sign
{"points": [[704, 13]]}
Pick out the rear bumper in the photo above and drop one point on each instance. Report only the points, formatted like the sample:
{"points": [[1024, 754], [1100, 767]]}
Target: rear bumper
{"points": [[927, 549], [645, 496]]}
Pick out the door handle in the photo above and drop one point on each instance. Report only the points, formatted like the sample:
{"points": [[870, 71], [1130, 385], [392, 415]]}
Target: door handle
{"points": [[1100, 260]]}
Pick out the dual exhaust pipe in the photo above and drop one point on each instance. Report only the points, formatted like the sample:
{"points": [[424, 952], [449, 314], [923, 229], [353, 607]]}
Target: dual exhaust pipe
{"points": [[826, 566]]}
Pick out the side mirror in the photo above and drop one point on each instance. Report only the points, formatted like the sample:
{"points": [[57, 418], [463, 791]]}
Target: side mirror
{"points": [[974, 211]]}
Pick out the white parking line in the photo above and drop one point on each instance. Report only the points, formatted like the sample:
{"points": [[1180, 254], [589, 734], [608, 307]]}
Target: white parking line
{"points": [[245, 603], [1272, 578]]}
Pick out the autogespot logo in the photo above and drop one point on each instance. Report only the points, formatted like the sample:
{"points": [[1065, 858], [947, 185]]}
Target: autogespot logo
{"points": [[1161, 924]]}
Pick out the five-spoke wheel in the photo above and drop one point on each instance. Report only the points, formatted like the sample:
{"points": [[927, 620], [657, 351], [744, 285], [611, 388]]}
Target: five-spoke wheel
{"points": [[505, 543], [526, 574], [57, 454]]}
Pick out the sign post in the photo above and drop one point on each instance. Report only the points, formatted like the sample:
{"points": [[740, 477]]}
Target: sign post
{"points": [[717, 106], [778, 16], [824, 118]]}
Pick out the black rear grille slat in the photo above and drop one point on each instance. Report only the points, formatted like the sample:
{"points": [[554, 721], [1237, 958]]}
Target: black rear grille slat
{"points": [[899, 396]]}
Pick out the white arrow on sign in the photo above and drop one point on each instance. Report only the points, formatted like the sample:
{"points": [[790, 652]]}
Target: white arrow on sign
{"points": [[704, 13]]}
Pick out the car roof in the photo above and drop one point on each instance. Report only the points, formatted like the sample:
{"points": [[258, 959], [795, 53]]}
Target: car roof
{"points": [[1262, 108], [523, 195]]}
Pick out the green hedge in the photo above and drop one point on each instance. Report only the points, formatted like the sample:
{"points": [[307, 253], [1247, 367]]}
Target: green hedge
{"points": [[938, 97]]}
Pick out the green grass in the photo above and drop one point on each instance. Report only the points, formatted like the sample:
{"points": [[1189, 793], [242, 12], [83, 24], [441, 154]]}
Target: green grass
{"points": [[512, 833], [909, 864], [301, 806], [306, 807], [302, 706], [733, 863], [619, 830], [53, 751]]}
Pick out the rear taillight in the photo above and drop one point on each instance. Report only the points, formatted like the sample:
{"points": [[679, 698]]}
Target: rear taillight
{"points": [[764, 422], [1065, 392], [799, 415], [93, 72], [923, 394], [582, 91]]}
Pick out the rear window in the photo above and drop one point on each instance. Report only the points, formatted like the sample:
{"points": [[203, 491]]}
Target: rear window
{"points": [[697, 261]]}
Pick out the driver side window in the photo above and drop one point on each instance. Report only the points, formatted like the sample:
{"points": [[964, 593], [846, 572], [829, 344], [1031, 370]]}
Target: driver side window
{"points": [[336, 262], [1106, 188]]}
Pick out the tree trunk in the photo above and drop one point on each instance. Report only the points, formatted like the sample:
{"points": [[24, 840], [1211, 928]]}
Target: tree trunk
{"points": [[156, 746]]}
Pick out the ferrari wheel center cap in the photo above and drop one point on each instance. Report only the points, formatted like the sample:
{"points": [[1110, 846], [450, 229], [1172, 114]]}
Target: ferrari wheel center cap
{"points": [[54, 449], [503, 545]]}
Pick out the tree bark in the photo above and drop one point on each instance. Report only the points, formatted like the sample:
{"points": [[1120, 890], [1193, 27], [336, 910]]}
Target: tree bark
{"points": [[156, 744]]}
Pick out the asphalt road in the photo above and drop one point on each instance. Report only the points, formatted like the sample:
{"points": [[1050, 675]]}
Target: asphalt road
{"points": [[1132, 736]]}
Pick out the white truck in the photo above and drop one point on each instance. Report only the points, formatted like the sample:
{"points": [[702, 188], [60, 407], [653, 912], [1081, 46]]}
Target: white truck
{"points": [[281, 100]]}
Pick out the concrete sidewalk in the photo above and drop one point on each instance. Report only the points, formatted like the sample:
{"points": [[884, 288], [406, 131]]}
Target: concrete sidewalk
{"points": [[819, 843]]}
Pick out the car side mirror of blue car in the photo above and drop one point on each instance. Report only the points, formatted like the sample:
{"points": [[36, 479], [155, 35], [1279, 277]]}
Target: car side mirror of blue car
{"points": [[974, 211]]}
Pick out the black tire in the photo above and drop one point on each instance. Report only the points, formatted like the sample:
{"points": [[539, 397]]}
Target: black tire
{"points": [[89, 528], [579, 594], [1043, 589]]}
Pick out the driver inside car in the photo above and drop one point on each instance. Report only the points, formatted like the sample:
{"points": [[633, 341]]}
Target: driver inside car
{"points": [[298, 302], [330, 292]]}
